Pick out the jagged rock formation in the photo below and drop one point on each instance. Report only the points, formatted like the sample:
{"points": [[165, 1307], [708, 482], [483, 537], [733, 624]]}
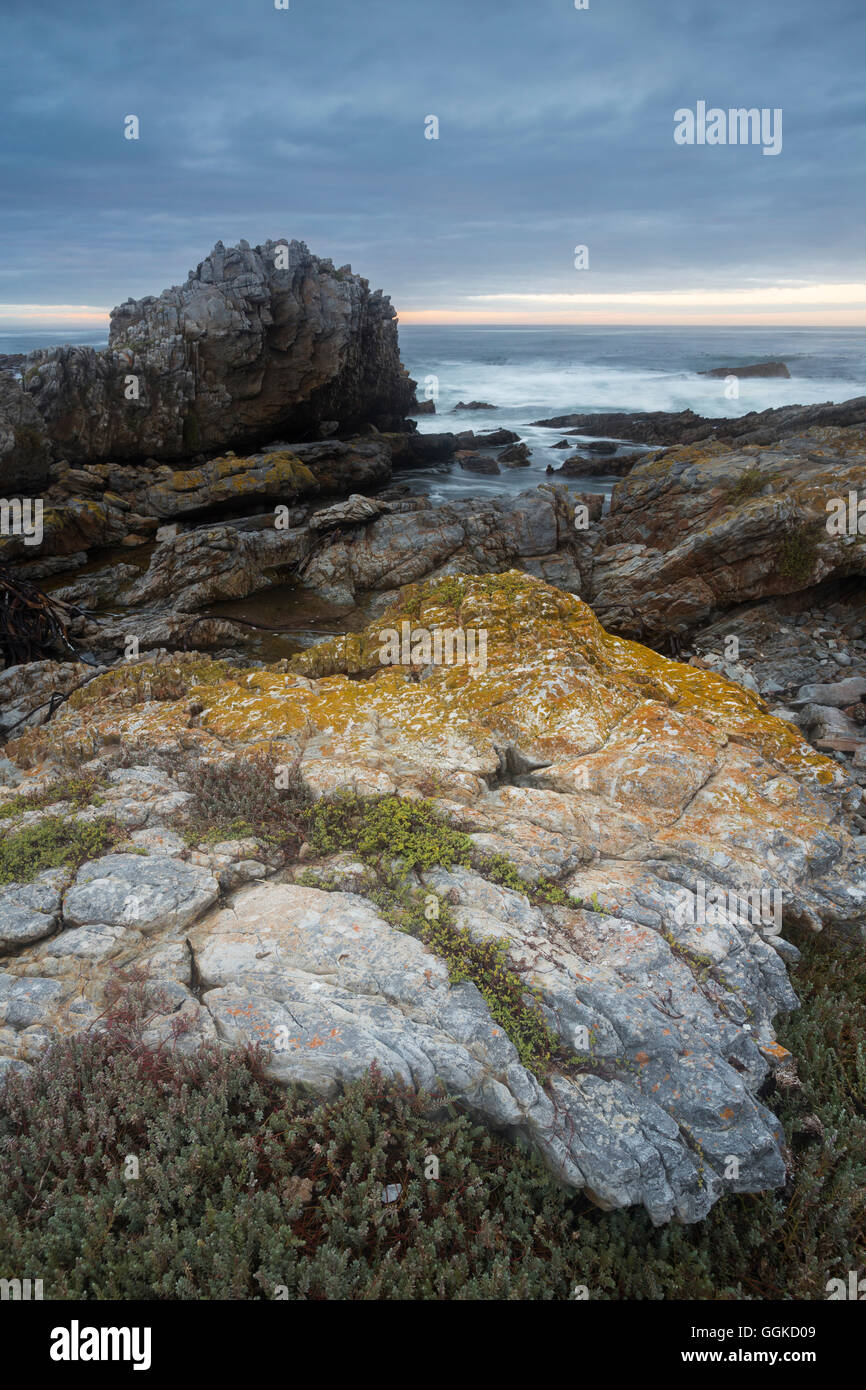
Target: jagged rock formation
{"points": [[582, 757], [411, 540], [243, 352]]}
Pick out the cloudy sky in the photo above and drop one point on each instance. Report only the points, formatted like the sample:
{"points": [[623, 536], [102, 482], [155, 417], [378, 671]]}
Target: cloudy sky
{"points": [[555, 130]]}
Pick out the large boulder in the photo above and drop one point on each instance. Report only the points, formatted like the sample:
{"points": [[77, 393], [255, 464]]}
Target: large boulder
{"points": [[243, 352]]}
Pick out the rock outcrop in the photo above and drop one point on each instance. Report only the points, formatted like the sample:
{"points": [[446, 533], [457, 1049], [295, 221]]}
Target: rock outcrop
{"points": [[705, 527], [685, 427], [260, 342], [632, 782]]}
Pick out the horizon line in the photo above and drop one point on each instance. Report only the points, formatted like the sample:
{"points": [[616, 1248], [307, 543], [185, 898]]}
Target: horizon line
{"points": [[67, 317]]}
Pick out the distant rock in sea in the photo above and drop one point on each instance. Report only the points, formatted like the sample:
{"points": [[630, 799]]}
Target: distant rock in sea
{"points": [[474, 405], [758, 369]]}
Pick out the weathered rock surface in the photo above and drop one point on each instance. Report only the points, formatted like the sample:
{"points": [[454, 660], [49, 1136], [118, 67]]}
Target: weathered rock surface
{"points": [[243, 352], [581, 756], [360, 546], [147, 893], [25, 452], [29, 911], [218, 562], [467, 535], [704, 527]]}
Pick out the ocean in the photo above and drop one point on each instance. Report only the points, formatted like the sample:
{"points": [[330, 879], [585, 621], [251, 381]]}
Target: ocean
{"points": [[528, 374], [533, 373]]}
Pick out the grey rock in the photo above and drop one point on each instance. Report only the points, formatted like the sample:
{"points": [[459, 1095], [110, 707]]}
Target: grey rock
{"points": [[149, 893], [28, 1001], [29, 911], [837, 693]]}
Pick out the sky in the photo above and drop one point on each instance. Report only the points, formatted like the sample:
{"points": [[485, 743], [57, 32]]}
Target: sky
{"points": [[555, 130]]}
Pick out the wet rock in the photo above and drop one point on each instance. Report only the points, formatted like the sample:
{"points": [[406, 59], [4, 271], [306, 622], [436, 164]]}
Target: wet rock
{"points": [[758, 369], [476, 463], [516, 456], [685, 427]]}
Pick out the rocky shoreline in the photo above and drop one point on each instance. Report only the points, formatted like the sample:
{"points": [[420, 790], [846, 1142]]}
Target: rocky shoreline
{"points": [[672, 704]]}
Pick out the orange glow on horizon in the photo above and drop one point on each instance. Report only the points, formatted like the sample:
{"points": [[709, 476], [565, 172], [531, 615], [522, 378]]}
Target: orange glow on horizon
{"points": [[795, 318]]}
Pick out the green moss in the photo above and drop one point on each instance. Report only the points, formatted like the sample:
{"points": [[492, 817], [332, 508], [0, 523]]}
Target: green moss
{"points": [[498, 868], [411, 831], [394, 837], [150, 680], [53, 842]]}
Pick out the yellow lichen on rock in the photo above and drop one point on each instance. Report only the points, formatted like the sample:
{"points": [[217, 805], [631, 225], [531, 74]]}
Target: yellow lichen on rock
{"points": [[553, 684]]}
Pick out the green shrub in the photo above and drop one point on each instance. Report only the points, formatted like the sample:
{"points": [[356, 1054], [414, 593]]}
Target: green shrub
{"points": [[373, 827], [244, 1188], [52, 842], [241, 796], [749, 484], [797, 554]]}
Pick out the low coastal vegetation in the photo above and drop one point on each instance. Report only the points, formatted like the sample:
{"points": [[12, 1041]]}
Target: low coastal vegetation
{"points": [[239, 1189], [749, 484], [55, 842], [797, 553], [78, 790]]}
